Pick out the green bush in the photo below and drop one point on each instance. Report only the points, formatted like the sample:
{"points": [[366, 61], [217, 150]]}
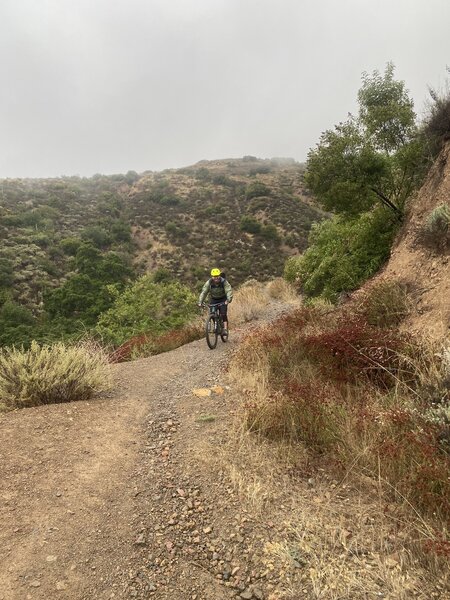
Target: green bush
{"points": [[250, 225], [292, 270], [70, 245], [256, 189], [436, 230], [270, 232], [146, 307], [345, 252], [51, 374]]}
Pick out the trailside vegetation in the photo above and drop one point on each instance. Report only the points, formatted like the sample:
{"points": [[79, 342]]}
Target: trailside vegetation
{"points": [[363, 170]]}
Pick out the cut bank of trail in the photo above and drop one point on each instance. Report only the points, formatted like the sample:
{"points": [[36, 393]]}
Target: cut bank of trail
{"points": [[106, 499]]}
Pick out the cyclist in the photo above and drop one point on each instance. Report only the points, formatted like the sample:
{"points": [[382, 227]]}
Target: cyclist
{"points": [[219, 291]]}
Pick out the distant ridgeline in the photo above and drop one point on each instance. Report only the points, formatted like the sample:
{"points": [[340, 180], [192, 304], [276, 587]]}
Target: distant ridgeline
{"points": [[69, 246]]}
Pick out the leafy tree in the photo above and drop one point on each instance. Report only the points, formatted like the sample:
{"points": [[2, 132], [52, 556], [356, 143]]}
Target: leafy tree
{"points": [[16, 324], [88, 292], [371, 158], [97, 236]]}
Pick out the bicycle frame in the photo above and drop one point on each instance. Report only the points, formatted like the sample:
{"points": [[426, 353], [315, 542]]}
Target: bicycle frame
{"points": [[214, 325]]}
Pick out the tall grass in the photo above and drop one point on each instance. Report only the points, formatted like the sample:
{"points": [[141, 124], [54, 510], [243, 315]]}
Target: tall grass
{"points": [[358, 394], [50, 374], [253, 298]]}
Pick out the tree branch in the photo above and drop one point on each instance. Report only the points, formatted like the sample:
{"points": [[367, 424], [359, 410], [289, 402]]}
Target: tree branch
{"points": [[388, 203]]}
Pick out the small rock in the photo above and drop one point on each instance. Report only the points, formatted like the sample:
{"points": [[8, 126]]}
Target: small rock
{"points": [[35, 584], [50, 558], [207, 530], [60, 586], [140, 540], [246, 595]]}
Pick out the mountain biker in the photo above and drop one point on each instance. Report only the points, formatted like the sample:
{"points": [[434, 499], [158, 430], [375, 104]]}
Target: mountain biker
{"points": [[219, 291]]}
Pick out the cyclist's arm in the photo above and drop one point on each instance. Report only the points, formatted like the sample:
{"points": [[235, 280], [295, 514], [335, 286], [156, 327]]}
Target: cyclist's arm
{"points": [[204, 292], [228, 291]]}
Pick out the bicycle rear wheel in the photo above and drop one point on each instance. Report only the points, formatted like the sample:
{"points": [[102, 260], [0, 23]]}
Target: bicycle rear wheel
{"points": [[211, 331]]}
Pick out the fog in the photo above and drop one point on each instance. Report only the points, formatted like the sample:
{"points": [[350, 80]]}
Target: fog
{"points": [[104, 86]]}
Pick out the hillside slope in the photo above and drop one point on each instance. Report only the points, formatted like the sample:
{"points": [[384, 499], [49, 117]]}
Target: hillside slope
{"points": [[247, 215], [422, 266]]}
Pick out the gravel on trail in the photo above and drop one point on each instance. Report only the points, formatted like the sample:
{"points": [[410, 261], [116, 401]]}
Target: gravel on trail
{"points": [[106, 499]]}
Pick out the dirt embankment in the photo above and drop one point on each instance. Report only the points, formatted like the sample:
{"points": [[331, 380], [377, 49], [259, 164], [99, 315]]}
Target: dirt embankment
{"points": [[424, 269]]}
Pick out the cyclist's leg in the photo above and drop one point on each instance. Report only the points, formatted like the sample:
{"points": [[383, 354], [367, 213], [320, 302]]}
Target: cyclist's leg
{"points": [[223, 314]]}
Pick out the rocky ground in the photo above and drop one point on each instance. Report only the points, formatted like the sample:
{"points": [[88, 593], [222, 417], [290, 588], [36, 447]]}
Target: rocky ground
{"points": [[143, 494]]}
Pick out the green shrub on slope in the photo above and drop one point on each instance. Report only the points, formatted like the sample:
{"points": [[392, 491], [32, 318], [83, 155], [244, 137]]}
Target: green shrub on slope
{"points": [[343, 253]]}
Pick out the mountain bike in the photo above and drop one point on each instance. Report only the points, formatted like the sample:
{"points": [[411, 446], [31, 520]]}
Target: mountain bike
{"points": [[214, 326]]}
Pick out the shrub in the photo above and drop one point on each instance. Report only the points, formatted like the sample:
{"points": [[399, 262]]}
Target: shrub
{"points": [[250, 225], [270, 232], [51, 374], [437, 124], [248, 302], [279, 289], [343, 253], [291, 271], [436, 231], [70, 245], [385, 304], [146, 308], [149, 344], [352, 391], [256, 189]]}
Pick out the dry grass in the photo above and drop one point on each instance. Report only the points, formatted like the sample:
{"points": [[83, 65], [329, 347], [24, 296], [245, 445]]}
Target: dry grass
{"points": [[328, 538], [280, 289], [51, 374], [253, 299], [249, 302], [373, 424]]}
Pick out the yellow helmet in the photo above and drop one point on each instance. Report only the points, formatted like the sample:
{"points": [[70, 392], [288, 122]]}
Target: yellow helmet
{"points": [[215, 272]]}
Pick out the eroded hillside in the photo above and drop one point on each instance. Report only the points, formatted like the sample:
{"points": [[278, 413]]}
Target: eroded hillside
{"points": [[420, 258]]}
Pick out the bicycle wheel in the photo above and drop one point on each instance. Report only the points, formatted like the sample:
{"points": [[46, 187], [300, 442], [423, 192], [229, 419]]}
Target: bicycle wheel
{"points": [[211, 331]]}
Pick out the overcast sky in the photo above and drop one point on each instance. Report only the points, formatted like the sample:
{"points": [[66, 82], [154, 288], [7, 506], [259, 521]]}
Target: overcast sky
{"points": [[107, 86]]}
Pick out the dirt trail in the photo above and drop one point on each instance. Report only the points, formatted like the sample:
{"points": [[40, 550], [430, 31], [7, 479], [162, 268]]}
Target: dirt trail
{"points": [[146, 494], [101, 499]]}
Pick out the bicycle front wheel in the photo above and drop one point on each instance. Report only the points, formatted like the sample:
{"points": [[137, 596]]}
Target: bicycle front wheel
{"points": [[211, 331]]}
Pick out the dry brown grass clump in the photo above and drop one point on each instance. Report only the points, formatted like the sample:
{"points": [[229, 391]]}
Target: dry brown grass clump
{"points": [[280, 289], [386, 303], [51, 374], [248, 303], [253, 298]]}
